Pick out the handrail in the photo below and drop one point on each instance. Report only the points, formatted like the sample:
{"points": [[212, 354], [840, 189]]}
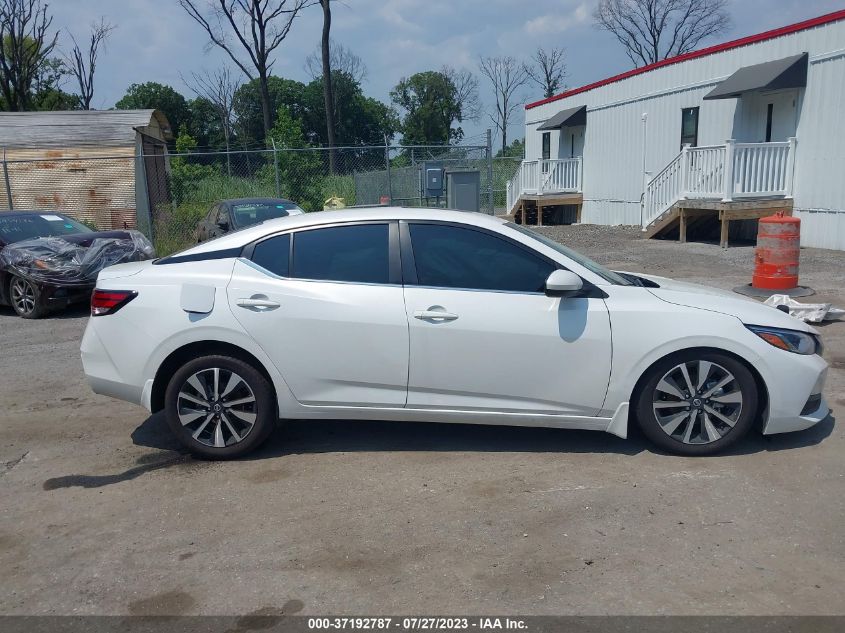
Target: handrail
{"points": [[721, 172]]}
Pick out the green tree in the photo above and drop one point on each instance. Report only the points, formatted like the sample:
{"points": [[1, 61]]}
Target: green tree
{"points": [[26, 46], [359, 120], [204, 124], [300, 173], [515, 150], [185, 171], [431, 107], [158, 96], [248, 107]]}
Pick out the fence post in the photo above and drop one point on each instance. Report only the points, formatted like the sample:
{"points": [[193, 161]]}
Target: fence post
{"points": [[490, 208], [729, 170], [276, 168], [387, 164], [8, 186]]}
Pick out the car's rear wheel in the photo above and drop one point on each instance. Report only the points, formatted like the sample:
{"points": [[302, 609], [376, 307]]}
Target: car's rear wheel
{"points": [[220, 407], [26, 298], [697, 402]]}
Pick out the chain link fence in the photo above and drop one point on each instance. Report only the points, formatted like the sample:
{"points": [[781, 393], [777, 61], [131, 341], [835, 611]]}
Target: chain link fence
{"points": [[166, 196]]}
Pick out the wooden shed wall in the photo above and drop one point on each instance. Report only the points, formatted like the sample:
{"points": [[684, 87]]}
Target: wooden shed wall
{"points": [[93, 184]]}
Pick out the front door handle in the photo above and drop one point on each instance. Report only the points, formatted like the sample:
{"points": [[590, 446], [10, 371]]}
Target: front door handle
{"points": [[258, 302], [435, 315]]}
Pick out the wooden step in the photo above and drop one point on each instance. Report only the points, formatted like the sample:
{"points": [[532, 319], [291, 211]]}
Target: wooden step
{"points": [[667, 221]]}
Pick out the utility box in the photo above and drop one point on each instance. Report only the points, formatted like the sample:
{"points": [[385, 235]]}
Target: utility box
{"points": [[432, 180], [464, 190]]}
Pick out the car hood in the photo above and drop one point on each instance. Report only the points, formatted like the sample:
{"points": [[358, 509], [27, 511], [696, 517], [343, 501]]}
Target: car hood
{"points": [[747, 310]]}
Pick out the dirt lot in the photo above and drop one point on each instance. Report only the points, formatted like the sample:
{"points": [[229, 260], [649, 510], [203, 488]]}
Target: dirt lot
{"points": [[100, 514]]}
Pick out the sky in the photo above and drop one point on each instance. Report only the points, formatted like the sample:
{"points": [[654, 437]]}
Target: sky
{"points": [[155, 40]]}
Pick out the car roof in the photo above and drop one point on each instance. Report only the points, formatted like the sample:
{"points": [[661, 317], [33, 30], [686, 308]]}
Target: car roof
{"points": [[7, 214], [359, 214], [256, 201]]}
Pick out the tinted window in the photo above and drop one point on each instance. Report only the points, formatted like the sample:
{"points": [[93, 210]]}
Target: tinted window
{"points": [[343, 253], [272, 254], [452, 257]]}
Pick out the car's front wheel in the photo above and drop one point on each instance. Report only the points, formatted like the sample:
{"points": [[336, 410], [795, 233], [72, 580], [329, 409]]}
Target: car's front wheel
{"points": [[26, 298], [697, 402], [220, 407]]}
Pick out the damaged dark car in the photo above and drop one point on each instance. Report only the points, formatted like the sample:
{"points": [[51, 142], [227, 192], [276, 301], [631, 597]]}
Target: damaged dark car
{"points": [[48, 260]]}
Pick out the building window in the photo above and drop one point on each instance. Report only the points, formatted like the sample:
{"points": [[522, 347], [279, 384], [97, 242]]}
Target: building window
{"points": [[547, 145], [689, 127], [769, 111]]}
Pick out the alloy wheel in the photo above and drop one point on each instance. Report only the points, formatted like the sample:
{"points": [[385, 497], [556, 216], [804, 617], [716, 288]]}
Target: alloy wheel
{"points": [[217, 406], [23, 295], [697, 402]]}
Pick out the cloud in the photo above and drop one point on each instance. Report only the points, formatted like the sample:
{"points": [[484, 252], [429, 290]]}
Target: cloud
{"points": [[557, 23]]}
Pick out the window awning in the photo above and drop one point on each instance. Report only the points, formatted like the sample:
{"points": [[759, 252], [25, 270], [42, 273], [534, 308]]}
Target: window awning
{"points": [[789, 72], [570, 117]]}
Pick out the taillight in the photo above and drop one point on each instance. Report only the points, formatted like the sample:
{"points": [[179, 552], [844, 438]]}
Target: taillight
{"points": [[110, 301]]}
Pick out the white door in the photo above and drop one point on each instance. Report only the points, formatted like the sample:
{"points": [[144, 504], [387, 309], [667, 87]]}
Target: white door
{"points": [[776, 118], [329, 317], [485, 337]]}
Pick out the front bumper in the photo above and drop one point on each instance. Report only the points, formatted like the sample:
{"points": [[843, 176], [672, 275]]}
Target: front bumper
{"points": [[798, 408]]}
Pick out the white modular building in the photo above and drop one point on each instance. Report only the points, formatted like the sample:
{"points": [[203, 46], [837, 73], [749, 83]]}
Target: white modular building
{"points": [[735, 131]]}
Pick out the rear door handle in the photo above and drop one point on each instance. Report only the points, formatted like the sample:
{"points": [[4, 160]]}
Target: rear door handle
{"points": [[257, 303], [434, 315]]}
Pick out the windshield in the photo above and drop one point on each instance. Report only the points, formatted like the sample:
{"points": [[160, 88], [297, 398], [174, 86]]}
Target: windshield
{"points": [[586, 262], [14, 228], [255, 212]]}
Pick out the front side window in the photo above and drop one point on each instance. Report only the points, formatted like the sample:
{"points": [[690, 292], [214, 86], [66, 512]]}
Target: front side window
{"points": [[356, 253], [273, 254], [453, 257]]}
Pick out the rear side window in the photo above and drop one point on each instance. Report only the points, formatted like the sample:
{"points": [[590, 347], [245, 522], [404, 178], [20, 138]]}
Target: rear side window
{"points": [[273, 254], [343, 253], [453, 257]]}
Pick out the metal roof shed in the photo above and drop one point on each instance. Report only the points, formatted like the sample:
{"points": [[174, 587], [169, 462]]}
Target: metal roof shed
{"points": [[83, 163]]}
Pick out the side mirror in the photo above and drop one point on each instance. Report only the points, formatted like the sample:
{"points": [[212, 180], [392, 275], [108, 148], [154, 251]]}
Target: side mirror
{"points": [[562, 283], [224, 226]]}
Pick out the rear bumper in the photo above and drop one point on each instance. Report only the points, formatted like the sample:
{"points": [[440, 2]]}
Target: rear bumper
{"points": [[102, 373]]}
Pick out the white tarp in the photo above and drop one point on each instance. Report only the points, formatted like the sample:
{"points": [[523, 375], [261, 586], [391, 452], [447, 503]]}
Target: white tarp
{"points": [[811, 312]]}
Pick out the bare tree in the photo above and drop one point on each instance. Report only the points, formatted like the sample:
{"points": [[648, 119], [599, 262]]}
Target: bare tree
{"points": [[340, 59], [651, 30], [219, 87], [466, 92], [83, 64], [328, 93], [258, 27], [25, 45], [548, 69], [506, 76]]}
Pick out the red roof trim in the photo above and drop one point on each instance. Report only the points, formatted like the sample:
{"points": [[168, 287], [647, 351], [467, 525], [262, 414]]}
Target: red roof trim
{"points": [[718, 48]]}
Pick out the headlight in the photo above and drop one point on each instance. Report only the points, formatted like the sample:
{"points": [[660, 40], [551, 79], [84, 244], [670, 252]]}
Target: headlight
{"points": [[789, 340]]}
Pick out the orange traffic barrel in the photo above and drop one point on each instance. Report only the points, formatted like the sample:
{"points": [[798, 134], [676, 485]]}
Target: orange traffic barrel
{"points": [[776, 255]]}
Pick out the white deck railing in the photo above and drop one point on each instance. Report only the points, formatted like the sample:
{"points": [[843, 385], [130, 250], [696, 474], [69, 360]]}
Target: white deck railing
{"points": [[721, 172], [540, 177]]}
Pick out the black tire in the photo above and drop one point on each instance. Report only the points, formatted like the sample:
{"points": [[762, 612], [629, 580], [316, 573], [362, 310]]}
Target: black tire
{"points": [[26, 298], [264, 408], [743, 416]]}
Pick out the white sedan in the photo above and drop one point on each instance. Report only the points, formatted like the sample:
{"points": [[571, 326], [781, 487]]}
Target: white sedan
{"points": [[438, 316]]}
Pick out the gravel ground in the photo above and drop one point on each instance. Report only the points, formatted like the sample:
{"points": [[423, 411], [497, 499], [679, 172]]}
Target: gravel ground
{"points": [[101, 514]]}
